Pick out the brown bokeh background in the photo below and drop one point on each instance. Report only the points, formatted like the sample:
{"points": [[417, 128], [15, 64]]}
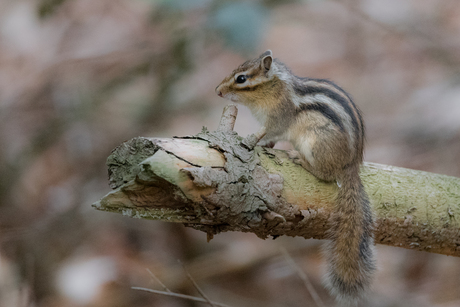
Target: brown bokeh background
{"points": [[79, 77]]}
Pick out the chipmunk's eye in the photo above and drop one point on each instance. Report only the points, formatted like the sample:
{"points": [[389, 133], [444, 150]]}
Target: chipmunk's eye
{"points": [[241, 79]]}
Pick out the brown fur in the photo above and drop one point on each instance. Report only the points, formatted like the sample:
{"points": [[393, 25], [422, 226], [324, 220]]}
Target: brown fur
{"points": [[326, 128]]}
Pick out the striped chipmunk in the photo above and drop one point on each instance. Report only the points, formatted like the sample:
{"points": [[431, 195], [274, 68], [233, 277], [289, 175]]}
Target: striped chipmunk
{"points": [[327, 131]]}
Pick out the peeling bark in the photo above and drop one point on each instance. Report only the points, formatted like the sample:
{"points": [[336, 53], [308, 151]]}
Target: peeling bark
{"points": [[211, 182]]}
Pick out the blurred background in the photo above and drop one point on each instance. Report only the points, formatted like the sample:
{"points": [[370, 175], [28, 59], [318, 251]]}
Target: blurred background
{"points": [[77, 78]]}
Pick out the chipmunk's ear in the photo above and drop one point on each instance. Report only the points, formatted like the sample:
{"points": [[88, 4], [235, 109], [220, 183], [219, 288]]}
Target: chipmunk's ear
{"points": [[267, 60], [268, 52]]}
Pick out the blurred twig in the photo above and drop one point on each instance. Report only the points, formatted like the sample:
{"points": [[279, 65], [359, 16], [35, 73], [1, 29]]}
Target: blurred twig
{"points": [[304, 278], [159, 281], [196, 285], [168, 292], [187, 297]]}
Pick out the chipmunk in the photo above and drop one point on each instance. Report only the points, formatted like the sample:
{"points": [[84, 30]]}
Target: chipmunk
{"points": [[326, 128]]}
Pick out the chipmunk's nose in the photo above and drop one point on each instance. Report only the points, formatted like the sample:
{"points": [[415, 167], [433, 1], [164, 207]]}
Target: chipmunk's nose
{"points": [[218, 91]]}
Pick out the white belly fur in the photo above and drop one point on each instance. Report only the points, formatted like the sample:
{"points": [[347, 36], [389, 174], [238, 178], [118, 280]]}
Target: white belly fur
{"points": [[305, 147]]}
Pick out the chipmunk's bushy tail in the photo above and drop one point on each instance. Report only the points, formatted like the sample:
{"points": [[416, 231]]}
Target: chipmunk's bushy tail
{"points": [[350, 251]]}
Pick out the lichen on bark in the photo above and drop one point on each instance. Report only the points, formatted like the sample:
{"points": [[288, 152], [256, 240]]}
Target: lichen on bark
{"points": [[246, 196]]}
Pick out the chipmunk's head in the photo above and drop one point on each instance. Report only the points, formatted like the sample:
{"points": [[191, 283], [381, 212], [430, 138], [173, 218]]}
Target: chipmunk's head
{"points": [[247, 83]]}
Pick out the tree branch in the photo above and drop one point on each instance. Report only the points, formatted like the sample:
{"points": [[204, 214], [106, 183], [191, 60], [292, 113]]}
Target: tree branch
{"points": [[212, 183]]}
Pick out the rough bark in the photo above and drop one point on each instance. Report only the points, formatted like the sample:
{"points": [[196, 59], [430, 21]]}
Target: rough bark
{"points": [[213, 183]]}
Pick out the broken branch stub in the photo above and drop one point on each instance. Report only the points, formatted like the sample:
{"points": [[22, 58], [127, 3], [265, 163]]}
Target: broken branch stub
{"points": [[214, 183]]}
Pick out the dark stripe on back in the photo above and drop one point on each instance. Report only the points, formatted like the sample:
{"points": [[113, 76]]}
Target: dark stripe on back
{"points": [[329, 82], [312, 90], [325, 110], [349, 98]]}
